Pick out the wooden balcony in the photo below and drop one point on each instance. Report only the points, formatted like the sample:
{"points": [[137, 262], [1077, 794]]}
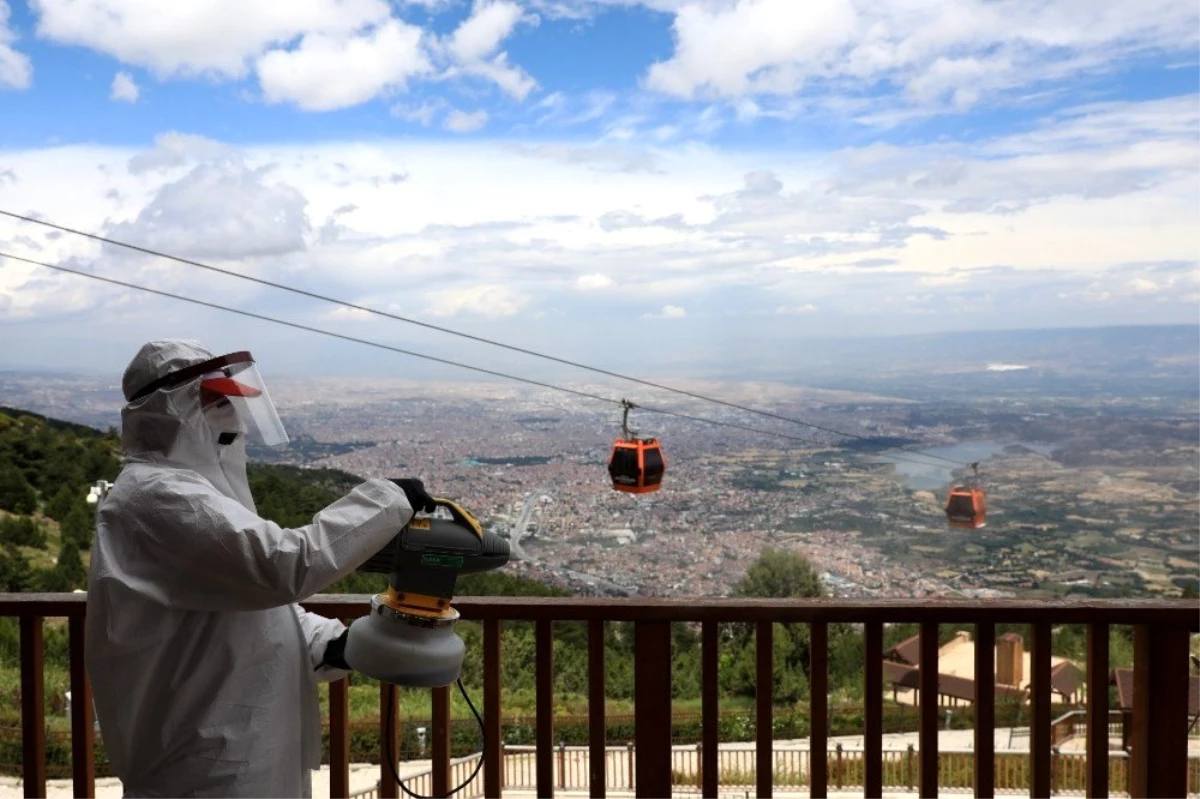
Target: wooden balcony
{"points": [[1157, 762]]}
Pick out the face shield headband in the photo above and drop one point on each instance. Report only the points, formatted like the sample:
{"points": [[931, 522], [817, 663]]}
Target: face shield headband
{"points": [[233, 378]]}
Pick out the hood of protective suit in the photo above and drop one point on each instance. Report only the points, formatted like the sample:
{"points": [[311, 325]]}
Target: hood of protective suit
{"points": [[168, 426]]}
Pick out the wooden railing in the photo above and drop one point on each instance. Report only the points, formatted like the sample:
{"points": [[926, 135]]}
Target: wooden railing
{"points": [[1074, 723], [1158, 763]]}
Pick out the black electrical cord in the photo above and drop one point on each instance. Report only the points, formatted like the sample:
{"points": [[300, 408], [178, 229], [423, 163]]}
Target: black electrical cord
{"points": [[390, 737], [450, 331]]}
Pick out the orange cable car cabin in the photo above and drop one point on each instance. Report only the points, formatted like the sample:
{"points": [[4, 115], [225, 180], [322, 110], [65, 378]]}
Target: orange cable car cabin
{"points": [[636, 465], [966, 505]]}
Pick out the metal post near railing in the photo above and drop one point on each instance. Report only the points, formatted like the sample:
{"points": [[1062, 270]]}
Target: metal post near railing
{"points": [[562, 764], [908, 767], [700, 766], [838, 781], [629, 762]]}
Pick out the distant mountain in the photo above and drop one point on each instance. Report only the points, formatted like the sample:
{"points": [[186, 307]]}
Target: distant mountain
{"points": [[1118, 362], [1133, 363]]}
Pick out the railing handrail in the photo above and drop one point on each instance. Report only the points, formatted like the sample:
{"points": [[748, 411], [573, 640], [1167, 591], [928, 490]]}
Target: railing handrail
{"points": [[1181, 612], [523, 749]]}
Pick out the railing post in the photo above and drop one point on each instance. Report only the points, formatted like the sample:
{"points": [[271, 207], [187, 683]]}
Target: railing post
{"points": [[709, 709], [700, 766], [544, 678], [597, 718], [873, 712], [1158, 764], [629, 762], [562, 764], [502, 768], [388, 750], [764, 727], [1039, 721], [441, 740], [33, 720], [339, 738], [652, 700], [818, 675], [928, 705], [985, 710], [493, 765], [83, 736], [1097, 710]]}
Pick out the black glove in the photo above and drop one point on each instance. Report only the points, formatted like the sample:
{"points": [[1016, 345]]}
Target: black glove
{"points": [[414, 490], [335, 653]]}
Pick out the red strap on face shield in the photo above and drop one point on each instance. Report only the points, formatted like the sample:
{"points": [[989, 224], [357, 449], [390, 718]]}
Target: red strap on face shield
{"points": [[229, 387]]}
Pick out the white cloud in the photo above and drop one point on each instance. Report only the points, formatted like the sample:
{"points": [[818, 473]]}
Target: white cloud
{"points": [[218, 37], [344, 314], [328, 72], [422, 114], [175, 149], [320, 55], [489, 301], [513, 81], [490, 23], [998, 227], [124, 89], [596, 282], [667, 312], [948, 56], [16, 70], [220, 209], [474, 43], [463, 122]]}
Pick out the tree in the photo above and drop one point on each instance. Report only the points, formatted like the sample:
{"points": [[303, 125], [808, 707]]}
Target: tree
{"points": [[70, 565], [777, 574], [16, 494], [22, 531], [16, 573], [79, 526], [64, 500], [780, 574]]}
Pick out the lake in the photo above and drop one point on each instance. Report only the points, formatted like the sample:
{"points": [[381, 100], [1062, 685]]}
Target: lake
{"points": [[935, 474]]}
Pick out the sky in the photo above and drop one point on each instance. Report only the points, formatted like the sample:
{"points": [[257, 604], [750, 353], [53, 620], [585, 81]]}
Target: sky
{"points": [[650, 186]]}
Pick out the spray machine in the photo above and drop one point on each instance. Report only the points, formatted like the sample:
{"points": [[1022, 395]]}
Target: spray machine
{"points": [[408, 638]]}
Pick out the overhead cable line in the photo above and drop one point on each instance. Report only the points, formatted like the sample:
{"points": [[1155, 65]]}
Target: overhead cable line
{"points": [[450, 331], [402, 351]]}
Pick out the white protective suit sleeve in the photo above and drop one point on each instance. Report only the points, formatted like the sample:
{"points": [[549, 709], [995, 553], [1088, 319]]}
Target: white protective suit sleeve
{"points": [[318, 632], [205, 551]]}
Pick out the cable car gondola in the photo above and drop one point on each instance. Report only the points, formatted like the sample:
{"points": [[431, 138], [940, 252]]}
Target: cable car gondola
{"points": [[636, 465], [966, 505]]}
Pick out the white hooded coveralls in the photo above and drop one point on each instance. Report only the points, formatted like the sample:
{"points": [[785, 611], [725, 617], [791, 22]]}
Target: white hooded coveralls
{"points": [[202, 664]]}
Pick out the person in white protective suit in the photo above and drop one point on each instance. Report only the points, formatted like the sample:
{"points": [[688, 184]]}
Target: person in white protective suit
{"points": [[204, 669]]}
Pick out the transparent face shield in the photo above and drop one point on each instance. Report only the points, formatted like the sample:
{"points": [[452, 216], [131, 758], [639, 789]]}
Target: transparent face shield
{"points": [[234, 398]]}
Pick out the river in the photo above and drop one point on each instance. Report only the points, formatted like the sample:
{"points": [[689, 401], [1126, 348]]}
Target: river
{"points": [[937, 474]]}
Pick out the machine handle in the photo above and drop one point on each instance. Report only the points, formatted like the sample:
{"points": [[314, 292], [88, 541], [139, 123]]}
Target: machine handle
{"points": [[460, 515]]}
